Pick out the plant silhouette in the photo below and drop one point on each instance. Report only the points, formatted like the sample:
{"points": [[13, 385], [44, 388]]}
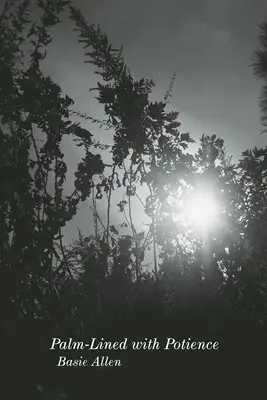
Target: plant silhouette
{"points": [[168, 279]]}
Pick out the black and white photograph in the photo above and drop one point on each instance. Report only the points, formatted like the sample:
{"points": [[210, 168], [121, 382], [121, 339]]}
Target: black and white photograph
{"points": [[133, 201]]}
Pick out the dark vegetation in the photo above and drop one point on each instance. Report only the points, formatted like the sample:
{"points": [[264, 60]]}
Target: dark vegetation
{"points": [[210, 287]]}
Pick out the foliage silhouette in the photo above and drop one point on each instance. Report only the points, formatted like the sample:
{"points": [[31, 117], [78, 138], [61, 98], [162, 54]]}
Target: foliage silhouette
{"points": [[208, 286], [260, 70]]}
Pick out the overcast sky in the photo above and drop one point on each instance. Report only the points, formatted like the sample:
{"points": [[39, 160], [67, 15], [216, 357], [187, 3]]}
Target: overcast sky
{"points": [[209, 43]]}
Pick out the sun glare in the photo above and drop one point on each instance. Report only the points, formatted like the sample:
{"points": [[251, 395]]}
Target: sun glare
{"points": [[201, 210]]}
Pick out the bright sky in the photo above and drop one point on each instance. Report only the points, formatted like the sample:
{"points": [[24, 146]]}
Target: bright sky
{"points": [[209, 43]]}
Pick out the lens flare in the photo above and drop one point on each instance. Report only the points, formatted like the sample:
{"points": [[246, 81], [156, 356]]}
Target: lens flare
{"points": [[201, 210]]}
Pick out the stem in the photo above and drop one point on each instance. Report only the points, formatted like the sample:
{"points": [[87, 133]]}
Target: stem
{"points": [[153, 232], [131, 222], [109, 201], [101, 223], [154, 247], [95, 216], [39, 162]]}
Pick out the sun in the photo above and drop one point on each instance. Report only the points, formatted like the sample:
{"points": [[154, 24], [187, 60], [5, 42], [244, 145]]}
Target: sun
{"points": [[196, 210], [201, 210]]}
